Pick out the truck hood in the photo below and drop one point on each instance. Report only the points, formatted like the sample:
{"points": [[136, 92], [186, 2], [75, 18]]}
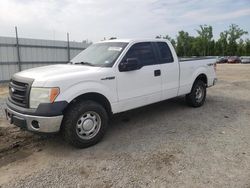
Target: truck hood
{"points": [[42, 74]]}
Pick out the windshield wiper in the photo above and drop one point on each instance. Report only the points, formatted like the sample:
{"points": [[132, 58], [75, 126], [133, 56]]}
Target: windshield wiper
{"points": [[83, 63]]}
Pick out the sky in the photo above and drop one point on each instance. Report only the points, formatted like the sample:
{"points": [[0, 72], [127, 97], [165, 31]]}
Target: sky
{"points": [[96, 19]]}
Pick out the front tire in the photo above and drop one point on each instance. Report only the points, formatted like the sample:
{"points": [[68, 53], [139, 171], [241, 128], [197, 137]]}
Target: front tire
{"points": [[84, 124], [198, 94]]}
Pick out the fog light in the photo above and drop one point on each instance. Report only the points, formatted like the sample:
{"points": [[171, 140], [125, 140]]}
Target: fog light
{"points": [[35, 124]]}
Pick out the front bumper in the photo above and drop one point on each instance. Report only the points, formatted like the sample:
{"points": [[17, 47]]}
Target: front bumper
{"points": [[34, 123]]}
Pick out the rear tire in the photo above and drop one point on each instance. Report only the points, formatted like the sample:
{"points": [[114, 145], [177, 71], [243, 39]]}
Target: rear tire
{"points": [[84, 124], [198, 94]]}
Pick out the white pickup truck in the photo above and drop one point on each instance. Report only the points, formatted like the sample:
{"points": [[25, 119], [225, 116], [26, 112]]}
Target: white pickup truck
{"points": [[106, 78]]}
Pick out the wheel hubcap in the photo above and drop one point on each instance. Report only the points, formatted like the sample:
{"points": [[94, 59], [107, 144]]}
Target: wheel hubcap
{"points": [[199, 94], [88, 125]]}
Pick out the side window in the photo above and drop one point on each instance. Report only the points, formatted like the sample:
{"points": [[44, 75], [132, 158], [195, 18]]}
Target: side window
{"points": [[143, 52], [165, 52]]}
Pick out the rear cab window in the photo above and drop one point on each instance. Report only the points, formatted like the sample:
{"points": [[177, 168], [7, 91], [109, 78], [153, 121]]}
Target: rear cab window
{"points": [[165, 54]]}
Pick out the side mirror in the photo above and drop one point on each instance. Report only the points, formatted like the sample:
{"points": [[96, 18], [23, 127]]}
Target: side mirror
{"points": [[129, 65]]}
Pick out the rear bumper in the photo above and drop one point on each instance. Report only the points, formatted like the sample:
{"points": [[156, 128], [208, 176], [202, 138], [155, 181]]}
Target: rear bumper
{"points": [[34, 123]]}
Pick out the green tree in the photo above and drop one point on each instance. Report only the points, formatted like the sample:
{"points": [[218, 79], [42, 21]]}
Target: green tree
{"points": [[229, 42], [168, 38], [222, 43], [234, 33], [241, 48], [183, 44], [247, 47], [205, 36], [211, 47], [195, 47]]}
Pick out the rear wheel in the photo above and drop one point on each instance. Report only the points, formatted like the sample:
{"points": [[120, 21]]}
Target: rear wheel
{"points": [[198, 93], [84, 124]]}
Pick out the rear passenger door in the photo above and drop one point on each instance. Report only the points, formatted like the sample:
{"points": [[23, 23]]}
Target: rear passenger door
{"points": [[143, 86], [169, 69]]}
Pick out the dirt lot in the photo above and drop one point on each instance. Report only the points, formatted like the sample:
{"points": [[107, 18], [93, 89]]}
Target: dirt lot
{"points": [[162, 145]]}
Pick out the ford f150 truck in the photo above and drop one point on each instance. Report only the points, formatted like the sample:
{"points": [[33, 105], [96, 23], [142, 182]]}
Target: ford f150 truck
{"points": [[106, 78]]}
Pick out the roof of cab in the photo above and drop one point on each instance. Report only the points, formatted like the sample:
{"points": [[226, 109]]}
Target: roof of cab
{"points": [[133, 40]]}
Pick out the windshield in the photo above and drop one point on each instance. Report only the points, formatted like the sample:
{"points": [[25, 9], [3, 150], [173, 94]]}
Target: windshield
{"points": [[100, 54]]}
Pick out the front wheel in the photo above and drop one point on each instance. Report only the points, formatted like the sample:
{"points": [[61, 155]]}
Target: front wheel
{"points": [[84, 124], [198, 93]]}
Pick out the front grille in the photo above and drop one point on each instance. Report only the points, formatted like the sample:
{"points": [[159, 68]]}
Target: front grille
{"points": [[19, 92]]}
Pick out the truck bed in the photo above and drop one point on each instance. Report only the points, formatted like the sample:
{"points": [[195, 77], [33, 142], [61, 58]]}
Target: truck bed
{"points": [[188, 69]]}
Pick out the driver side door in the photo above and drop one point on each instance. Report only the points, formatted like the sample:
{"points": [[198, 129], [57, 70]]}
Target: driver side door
{"points": [[143, 86]]}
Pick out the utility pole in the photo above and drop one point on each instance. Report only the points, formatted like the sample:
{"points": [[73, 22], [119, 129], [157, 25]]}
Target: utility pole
{"points": [[18, 51], [68, 47]]}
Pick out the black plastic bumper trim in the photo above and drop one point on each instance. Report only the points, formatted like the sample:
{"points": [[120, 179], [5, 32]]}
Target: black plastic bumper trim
{"points": [[44, 109]]}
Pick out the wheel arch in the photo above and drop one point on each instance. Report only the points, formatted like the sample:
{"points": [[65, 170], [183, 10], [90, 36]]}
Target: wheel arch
{"points": [[202, 77], [94, 96]]}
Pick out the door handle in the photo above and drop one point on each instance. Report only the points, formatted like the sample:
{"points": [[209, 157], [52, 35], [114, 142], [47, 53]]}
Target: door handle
{"points": [[157, 72]]}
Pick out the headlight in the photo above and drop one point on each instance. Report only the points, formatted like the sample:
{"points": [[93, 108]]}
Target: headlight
{"points": [[42, 95]]}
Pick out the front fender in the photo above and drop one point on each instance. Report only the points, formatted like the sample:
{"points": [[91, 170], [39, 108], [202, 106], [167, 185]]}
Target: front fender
{"points": [[81, 88]]}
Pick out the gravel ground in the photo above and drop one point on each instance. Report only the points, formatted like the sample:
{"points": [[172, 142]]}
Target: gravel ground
{"points": [[2, 104], [163, 145], [3, 93]]}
